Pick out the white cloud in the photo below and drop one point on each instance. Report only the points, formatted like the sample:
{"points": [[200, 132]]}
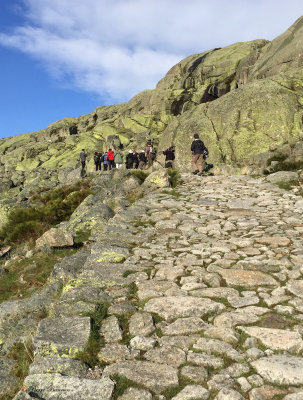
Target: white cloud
{"points": [[117, 48]]}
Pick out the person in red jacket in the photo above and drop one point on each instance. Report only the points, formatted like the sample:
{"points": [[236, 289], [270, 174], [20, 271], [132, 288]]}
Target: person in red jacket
{"points": [[110, 159]]}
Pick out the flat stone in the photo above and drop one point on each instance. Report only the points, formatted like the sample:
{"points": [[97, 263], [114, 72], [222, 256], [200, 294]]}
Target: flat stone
{"points": [[274, 241], [156, 377], [166, 355], [62, 336], [295, 287], [67, 309], [195, 374], [243, 301], [54, 386], [183, 342], [228, 335], [204, 360], [276, 339], [58, 365], [210, 346], [135, 394], [181, 306], [247, 279], [266, 393], [237, 369], [248, 315], [229, 394], [110, 330], [169, 273], [114, 352], [214, 293], [185, 326], [124, 308], [280, 369], [143, 343], [192, 392], [141, 324]]}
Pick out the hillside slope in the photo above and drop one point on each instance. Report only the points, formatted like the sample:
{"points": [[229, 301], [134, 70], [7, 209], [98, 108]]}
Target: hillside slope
{"points": [[242, 99]]}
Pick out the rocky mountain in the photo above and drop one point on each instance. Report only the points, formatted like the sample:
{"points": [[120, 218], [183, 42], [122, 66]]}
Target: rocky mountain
{"points": [[119, 285], [241, 98]]}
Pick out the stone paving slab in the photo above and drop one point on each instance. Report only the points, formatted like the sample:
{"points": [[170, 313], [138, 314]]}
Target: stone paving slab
{"points": [[54, 386], [172, 307], [62, 336], [201, 283], [156, 377]]}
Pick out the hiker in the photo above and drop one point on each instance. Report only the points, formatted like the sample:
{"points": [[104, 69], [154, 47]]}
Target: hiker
{"points": [[148, 153], [197, 149], [129, 160], [142, 160], [135, 159], [118, 157], [110, 159], [105, 161], [97, 161], [83, 156], [169, 156]]}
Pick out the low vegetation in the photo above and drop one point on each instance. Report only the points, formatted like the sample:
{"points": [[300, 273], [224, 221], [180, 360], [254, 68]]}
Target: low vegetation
{"points": [[140, 174], [27, 275], [48, 209], [174, 177], [90, 354]]}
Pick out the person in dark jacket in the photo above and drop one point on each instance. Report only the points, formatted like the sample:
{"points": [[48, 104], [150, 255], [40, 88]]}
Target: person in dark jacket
{"points": [[142, 160], [97, 161], [169, 156], [130, 160], [197, 148], [83, 156], [136, 159]]}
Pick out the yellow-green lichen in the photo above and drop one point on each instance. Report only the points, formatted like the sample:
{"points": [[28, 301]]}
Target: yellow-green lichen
{"points": [[111, 256]]}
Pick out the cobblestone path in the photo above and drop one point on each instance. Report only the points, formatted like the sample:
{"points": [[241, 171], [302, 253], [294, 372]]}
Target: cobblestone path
{"points": [[200, 293]]}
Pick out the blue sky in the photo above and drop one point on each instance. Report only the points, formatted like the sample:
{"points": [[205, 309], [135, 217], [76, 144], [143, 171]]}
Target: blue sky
{"points": [[63, 58]]}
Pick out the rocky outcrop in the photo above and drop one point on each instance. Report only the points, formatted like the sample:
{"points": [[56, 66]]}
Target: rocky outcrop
{"points": [[242, 99]]}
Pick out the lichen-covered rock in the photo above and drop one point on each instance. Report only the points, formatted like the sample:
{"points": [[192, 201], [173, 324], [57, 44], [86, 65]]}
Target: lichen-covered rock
{"points": [[65, 336], [55, 237], [157, 179], [58, 365], [55, 386]]}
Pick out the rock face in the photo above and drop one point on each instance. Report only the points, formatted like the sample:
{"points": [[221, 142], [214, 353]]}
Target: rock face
{"points": [[242, 99]]}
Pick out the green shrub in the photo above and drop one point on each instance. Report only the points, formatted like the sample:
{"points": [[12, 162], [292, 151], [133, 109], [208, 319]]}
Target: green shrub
{"points": [[277, 157], [288, 185], [174, 177], [287, 166], [23, 354], [140, 174], [51, 208], [29, 274]]}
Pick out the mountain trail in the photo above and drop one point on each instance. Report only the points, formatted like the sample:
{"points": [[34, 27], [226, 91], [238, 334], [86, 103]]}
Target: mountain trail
{"points": [[191, 293]]}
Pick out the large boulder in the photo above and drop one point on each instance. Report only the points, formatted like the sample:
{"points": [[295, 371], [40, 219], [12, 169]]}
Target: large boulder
{"points": [[157, 179], [55, 237], [91, 214]]}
